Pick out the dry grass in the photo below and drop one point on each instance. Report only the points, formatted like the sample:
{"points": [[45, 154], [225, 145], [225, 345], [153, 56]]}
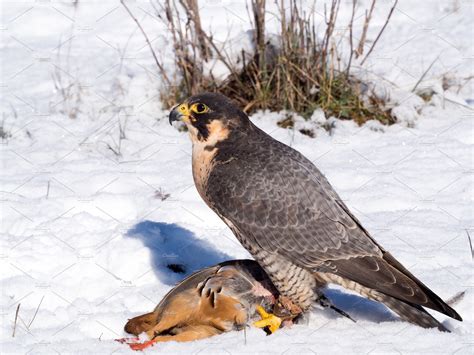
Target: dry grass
{"points": [[300, 73]]}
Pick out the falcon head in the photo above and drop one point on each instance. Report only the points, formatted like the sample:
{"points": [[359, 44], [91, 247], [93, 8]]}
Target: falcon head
{"points": [[209, 116]]}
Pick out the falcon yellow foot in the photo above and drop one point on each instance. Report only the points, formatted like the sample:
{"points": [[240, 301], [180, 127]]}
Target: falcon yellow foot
{"points": [[269, 321]]}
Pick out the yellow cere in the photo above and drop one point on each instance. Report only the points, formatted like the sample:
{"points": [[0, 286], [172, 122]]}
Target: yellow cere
{"points": [[183, 109]]}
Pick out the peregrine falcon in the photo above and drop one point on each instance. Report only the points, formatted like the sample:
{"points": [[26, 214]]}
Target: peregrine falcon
{"points": [[284, 211]]}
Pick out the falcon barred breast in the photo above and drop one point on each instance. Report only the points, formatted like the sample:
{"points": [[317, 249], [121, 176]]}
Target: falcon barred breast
{"points": [[286, 213]]}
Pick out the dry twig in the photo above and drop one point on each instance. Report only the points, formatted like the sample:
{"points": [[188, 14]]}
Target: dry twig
{"points": [[424, 73], [300, 73], [368, 17], [157, 62], [380, 33], [36, 312], [16, 319]]}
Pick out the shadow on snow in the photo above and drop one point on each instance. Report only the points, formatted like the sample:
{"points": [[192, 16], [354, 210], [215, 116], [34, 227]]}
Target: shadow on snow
{"points": [[176, 252], [358, 307]]}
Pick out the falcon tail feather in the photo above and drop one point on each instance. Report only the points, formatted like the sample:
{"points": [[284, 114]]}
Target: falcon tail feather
{"points": [[387, 276], [409, 312], [436, 302]]}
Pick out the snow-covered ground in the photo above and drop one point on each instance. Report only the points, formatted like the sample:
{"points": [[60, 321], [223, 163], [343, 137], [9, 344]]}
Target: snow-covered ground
{"points": [[86, 233]]}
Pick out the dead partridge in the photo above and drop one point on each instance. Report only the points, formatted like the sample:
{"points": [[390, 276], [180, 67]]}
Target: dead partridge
{"points": [[212, 301]]}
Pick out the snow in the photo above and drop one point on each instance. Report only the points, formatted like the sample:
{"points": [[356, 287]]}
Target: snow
{"points": [[86, 234]]}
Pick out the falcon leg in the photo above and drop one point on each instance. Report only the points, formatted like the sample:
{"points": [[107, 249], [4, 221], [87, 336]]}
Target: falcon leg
{"points": [[286, 307], [326, 303], [269, 322], [284, 310]]}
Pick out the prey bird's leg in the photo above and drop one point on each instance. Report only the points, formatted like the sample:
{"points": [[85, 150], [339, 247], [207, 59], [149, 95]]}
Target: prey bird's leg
{"points": [[135, 344], [141, 346], [127, 340]]}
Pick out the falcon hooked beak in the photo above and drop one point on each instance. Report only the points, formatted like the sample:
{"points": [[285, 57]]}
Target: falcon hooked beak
{"points": [[180, 113]]}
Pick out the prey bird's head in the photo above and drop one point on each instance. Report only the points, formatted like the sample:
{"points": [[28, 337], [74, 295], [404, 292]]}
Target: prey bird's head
{"points": [[209, 117]]}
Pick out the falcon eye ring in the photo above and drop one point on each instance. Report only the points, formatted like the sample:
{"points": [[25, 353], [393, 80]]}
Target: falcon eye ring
{"points": [[199, 108]]}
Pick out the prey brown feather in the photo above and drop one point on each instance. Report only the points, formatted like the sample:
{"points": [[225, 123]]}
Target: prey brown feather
{"points": [[211, 301]]}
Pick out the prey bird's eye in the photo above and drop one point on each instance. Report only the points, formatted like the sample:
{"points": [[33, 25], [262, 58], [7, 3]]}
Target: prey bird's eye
{"points": [[199, 108]]}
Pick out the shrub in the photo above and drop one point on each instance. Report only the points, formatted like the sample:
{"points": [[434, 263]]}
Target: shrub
{"points": [[298, 72]]}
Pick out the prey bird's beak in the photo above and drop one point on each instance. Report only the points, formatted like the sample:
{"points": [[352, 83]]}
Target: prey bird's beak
{"points": [[179, 113]]}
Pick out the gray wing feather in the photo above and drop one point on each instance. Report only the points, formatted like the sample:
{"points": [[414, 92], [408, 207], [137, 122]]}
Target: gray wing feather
{"points": [[280, 202], [276, 200]]}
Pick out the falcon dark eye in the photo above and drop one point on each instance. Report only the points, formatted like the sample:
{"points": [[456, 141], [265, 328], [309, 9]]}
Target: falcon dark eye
{"points": [[200, 108]]}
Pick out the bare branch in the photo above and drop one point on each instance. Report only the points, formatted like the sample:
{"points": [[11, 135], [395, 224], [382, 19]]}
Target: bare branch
{"points": [[470, 244], [424, 73], [158, 63], [351, 23], [16, 319], [368, 17], [37, 309], [380, 33]]}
